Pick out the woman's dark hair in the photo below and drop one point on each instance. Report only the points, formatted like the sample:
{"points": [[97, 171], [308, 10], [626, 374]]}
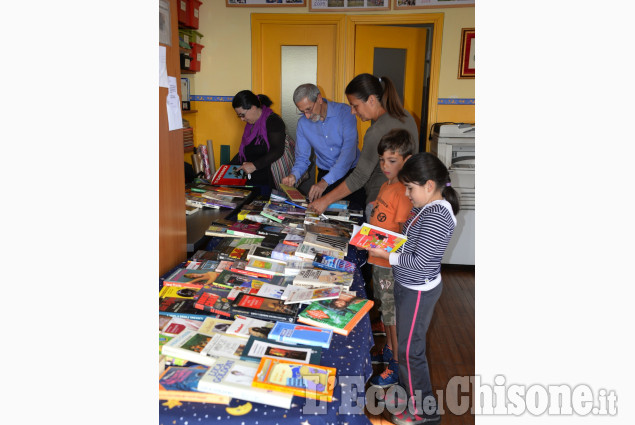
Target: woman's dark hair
{"points": [[396, 140], [364, 85], [246, 99], [424, 166]]}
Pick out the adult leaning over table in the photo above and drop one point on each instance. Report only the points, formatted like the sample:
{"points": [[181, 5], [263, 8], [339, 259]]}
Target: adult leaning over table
{"points": [[374, 99]]}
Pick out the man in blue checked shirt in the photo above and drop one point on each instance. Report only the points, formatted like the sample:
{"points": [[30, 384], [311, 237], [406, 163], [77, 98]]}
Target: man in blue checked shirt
{"points": [[331, 130]]}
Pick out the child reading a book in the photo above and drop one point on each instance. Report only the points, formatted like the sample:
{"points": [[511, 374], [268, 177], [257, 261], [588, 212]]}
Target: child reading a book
{"points": [[390, 211], [417, 269]]}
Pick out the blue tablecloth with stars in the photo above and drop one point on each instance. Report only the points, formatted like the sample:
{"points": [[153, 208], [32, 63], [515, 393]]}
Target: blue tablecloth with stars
{"points": [[349, 354]]}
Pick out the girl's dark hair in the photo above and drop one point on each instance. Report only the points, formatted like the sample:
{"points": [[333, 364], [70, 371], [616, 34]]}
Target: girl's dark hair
{"points": [[424, 166], [246, 99], [364, 85], [396, 140]]}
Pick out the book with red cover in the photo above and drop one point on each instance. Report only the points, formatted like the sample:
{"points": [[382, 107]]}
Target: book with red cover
{"points": [[213, 300], [264, 308], [230, 175]]}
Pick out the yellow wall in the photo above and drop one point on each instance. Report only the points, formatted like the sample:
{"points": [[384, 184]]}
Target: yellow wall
{"points": [[226, 67]]}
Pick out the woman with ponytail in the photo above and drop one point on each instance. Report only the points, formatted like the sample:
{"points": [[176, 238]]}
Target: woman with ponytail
{"points": [[263, 140], [374, 99]]}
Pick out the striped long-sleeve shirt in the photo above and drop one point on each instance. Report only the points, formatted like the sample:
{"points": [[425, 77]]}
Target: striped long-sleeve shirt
{"points": [[417, 264]]}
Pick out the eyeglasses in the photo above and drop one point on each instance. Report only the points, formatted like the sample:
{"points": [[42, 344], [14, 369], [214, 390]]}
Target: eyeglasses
{"points": [[307, 110], [241, 116]]}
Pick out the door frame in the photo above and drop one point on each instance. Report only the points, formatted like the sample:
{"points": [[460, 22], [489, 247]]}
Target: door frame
{"points": [[436, 19]]}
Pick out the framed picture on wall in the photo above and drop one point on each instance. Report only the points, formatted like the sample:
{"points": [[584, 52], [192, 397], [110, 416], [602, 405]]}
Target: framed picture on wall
{"points": [[420, 4], [264, 3], [466, 58], [356, 5]]}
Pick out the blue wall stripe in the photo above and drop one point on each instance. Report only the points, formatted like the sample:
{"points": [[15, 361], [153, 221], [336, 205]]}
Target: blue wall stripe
{"points": [[442, 101], [454, 101]]}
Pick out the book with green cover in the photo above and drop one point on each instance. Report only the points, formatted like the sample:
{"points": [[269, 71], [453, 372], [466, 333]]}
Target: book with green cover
{"points": [[341, 314]]}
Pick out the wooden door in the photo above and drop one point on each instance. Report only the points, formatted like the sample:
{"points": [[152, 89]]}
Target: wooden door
{"points": [[412, 41]]}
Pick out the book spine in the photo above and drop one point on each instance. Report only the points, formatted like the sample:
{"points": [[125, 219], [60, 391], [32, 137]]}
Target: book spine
{"points": [[263, 315], [192, 316]]}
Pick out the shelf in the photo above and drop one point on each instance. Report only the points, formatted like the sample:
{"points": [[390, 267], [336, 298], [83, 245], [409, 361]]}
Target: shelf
{"points": [[187, 71], [191, 111]]}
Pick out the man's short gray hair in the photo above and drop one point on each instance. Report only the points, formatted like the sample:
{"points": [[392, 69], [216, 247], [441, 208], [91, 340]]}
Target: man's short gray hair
{"points": [[308, 90]]}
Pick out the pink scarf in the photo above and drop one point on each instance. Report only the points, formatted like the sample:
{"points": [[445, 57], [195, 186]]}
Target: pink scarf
{"points": [[252, 131]]}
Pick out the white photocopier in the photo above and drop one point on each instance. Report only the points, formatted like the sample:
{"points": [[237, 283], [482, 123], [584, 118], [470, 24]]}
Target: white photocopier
{"points": [[454, 145]]}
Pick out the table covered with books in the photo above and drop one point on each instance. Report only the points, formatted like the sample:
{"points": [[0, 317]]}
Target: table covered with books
{"points": [[348, 354]]}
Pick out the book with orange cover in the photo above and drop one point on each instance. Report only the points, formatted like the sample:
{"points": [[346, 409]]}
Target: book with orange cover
{"points": [[301, 379]]}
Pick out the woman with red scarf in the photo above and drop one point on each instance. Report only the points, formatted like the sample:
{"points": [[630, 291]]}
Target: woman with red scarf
{"points": [[263, 137]]}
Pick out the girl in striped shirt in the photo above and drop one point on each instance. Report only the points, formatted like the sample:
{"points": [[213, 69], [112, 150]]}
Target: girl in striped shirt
{"points": [[417, 270]]}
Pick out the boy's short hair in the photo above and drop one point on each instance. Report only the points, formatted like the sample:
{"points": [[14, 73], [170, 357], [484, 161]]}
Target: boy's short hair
{"points": [[396, 140]]}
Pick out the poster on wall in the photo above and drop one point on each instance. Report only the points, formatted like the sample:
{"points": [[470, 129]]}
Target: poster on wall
{"points": [[356, 5], [467, 56], [420, 4], [259, 3]]}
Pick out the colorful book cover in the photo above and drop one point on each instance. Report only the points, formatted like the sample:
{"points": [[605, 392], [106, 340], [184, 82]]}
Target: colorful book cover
{"points": [[181, 383], [308, 295], [191, 346], [283, 252], [323, 278], [177, 292], [181, 307], [212, 325], [264, 308], [213, 300], [257, 348], [292, 193], [369, 236], [304, 380], [263, 253], [271, 291], [341, 314], [325, 241], [189, 278], [331, 263], [233, 378], [176, 325], [328, 230], [265, 266], [244, 326], [308, 251], [294, 333], [230, 175]]}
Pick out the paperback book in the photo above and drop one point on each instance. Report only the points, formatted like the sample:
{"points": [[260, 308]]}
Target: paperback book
{"points": [[304, 380], [284, 253], [264, 254], [328, 230], [190, 278], [292, 193], [271, 291], [308, 295], [257, 348], [181, 307], [294, 267], [244, 326], [340, 315], [176, 325], [177, 292], [181, 383], [191, 346], [319, 278], [268, 267], [369, 236], [233, 378], [333, 243], [213, 325], [327, 262], [264, 308], [230, 175], [294, 333], [213, 300], [308, 251]]}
